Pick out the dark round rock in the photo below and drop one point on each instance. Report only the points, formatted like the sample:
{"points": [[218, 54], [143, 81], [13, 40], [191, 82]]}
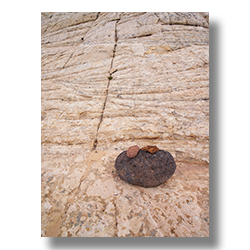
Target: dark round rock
{"points": [[146, 169]]}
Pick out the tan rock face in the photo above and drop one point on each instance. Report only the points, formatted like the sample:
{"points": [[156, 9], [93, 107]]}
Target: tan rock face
{"points": [[109, 81]]}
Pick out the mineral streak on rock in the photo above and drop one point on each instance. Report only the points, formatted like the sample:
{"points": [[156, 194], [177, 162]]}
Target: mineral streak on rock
{"points": [[151, 149], [146, 169], [132, 151]]}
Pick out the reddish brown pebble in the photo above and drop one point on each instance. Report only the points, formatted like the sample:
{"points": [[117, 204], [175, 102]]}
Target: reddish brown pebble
{"points": [[132, 151], [151, 149]]}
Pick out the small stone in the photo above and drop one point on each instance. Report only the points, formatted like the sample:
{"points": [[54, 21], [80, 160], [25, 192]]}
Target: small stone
{"points": [[132, 151], [151, 149]]}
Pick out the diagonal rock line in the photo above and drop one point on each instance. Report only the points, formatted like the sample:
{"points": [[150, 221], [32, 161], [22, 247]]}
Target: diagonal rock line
{"points": [[68, 59], [82, 39], [107, 89]]}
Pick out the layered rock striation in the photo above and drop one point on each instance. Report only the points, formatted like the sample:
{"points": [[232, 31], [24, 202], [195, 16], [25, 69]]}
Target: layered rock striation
{"points": [[111, 81]]}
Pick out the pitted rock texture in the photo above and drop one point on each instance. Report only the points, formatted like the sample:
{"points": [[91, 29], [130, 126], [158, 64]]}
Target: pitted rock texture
{"points": [[132, 151], [158, 95], [146, 169]]}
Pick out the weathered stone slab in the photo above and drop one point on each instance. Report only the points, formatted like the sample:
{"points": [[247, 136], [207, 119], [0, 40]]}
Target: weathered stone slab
{"points": [[111, 81]]}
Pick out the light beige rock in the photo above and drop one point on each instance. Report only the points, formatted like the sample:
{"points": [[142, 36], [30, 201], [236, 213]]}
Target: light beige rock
{"points": [[158, 94]]}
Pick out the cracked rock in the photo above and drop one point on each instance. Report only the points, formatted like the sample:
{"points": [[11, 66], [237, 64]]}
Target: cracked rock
{"points": [[158, 95]]}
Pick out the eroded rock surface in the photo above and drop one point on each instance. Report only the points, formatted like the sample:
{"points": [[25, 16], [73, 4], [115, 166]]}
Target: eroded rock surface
{"points": [[111, 81]]}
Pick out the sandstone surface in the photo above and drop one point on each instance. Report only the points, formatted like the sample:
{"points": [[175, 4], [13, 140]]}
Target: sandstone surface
{"points": [[110, 81]]}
